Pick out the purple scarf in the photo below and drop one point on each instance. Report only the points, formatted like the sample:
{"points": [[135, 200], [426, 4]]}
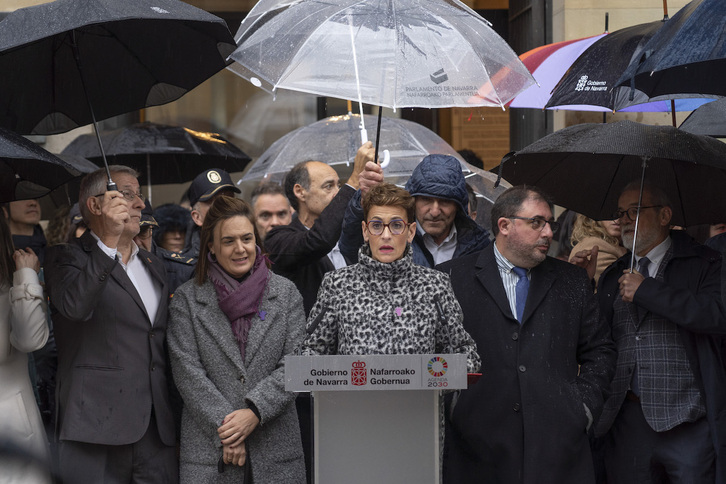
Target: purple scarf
{"points": [[239, 301]]}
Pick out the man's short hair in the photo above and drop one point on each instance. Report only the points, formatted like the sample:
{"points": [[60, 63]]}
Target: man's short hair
{"points": [[266, 188], [299, 175], [657, 195], [389, 195], [510, 202], [95, 184]]}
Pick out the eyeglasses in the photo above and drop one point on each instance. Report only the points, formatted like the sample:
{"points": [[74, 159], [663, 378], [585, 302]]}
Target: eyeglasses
{"points": [[397, 227], [128, 195], [538, 223], [632, 212]]}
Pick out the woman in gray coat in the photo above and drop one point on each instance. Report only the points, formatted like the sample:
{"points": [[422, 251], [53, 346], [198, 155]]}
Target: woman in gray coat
{"points": [[229, 332]]}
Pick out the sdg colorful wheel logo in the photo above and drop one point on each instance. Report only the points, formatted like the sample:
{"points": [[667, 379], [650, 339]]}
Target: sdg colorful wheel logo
{"points": [[437, 366]]}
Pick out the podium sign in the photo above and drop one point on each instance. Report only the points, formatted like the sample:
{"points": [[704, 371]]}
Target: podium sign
{"points": [[375, 372], [376, 417]]}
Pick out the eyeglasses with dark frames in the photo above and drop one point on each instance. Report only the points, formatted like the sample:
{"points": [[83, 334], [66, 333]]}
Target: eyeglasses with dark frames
{"points": [[397, 227], [538, 223], [632, 212]]}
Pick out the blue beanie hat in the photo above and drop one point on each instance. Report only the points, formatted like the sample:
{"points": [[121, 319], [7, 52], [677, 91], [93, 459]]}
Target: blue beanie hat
{"points": [[439, 176]]}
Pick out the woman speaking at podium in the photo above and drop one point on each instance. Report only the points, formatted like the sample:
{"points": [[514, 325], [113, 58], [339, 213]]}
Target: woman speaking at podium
{"points": [[386, 304]]}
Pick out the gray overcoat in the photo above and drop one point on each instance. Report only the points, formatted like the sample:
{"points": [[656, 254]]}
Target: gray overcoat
{"points": [[213, 382]]}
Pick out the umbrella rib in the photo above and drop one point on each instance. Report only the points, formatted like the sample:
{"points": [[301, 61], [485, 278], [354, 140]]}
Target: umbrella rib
{"points": [[293, 63]]}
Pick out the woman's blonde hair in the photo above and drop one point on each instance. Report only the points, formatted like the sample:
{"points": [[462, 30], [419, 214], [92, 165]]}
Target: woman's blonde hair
{"points": [[586, 227]]}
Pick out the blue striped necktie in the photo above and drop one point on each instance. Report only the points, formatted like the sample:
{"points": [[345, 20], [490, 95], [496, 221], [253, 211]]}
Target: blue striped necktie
{"points": [[522, 289]]}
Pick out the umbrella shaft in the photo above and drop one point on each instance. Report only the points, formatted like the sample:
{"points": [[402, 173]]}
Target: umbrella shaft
{"points": [[111, 185]]}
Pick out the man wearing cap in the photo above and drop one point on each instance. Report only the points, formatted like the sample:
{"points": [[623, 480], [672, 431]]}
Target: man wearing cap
{"points": [[204, 189], [444, 229]]}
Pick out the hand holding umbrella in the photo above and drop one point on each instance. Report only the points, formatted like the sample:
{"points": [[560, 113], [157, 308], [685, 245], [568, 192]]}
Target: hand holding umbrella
{"points": [[114, 209], [629, 283], [363, 157]]}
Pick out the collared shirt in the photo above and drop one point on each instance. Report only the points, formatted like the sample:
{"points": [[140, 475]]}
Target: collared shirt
{"points": [[149, 290], [335, 256], [440, 252], [655, 256], [509, 278]]}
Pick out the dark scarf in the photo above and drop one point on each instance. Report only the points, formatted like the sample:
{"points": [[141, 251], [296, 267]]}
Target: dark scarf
{"points": [[240, 301]]}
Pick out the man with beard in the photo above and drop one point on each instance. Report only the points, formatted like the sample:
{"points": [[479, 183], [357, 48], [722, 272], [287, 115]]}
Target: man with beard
{"points": [[664, 420], [547, 356], [444, 229]]}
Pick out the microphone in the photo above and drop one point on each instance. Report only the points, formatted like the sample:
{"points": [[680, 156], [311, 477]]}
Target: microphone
{"points": [[442, 320], [316, 322], [311, 329]]}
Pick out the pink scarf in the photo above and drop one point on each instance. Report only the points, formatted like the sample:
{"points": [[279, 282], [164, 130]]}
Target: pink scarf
{"points": [[240, 301]]}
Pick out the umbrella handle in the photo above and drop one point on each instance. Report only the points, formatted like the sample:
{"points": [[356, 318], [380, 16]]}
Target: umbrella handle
{"points": [[386, 158]]}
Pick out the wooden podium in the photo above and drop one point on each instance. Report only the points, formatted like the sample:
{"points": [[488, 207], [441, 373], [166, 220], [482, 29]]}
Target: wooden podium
{"points": [[377, 418]]}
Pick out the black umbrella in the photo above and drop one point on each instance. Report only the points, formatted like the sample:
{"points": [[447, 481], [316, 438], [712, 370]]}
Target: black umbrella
{"points": [[585, 168], [708, 120], [686, 56], [28, 171], [69, 63], [161, 153]]}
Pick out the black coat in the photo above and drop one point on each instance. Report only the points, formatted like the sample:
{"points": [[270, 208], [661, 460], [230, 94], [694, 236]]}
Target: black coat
{"points": [[524, 420], [300, 254], [690, 297]]}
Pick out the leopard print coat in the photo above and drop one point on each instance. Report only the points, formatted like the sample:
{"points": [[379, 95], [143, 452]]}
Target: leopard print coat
{"points": [[388, 308]]}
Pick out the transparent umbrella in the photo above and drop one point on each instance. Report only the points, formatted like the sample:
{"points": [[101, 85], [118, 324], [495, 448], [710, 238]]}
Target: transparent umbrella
{"points": [[393, 53], [335, 140]]}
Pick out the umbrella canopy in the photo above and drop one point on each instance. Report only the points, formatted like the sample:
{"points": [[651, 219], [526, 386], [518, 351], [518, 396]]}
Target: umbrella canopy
{"points": [[484, 184], [28, 171], [708, 120], [117, 56], [585, 168], [160, 153], [686, 57], [393, 53], [589, 84], [265, 118], [335, 140], [548, 63]]}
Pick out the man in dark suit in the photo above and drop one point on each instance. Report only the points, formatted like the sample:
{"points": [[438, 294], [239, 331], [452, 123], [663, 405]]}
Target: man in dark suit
{"points": [[109, 302], [547, 356], [305, 250], [665, 420]]}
